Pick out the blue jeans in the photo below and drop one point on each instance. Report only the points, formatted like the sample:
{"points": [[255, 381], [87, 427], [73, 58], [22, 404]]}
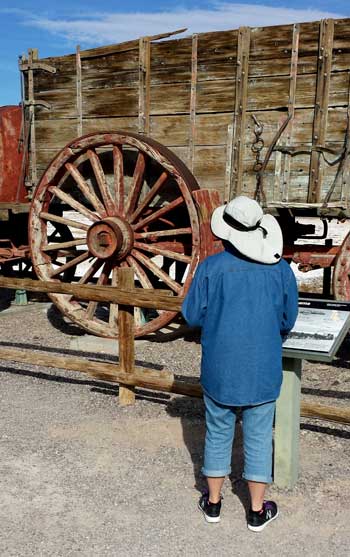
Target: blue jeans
{"points": [[257, 424]]}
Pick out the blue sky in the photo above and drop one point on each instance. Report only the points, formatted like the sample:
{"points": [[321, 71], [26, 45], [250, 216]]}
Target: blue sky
{"points": [[58, 29]]}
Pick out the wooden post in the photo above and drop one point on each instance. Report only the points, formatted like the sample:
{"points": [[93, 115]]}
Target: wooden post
{"points": [[319, 131], [193, 102], [287, 425], [126, 337], [144, 84], [79, 93], [241, 100], [32, 56]]}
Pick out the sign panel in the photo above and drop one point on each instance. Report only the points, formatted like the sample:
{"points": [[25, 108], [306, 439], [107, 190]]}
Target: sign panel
{"points": [[320, 328]]}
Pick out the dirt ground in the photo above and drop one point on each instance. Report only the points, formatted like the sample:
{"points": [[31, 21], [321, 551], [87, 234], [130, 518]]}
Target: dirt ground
{"points": [[81, 475]]}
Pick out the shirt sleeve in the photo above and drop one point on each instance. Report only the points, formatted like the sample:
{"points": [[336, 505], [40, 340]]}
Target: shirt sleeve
{"points": [[195, 303], [290, 309]]}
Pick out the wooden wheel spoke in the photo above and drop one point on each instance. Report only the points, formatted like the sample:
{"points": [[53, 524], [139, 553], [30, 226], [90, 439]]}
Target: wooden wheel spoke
{"points": [[62, 220], [118, 171], [150, 196], [102, 279], [163, 211], [64, 245], [142, 276], [91, 271], [85, 189], [156, 270], [155, 234], [66, 198], [113, 308], [102, 183], [159, 250], [145, 283], [137, 184], [70, 264]]}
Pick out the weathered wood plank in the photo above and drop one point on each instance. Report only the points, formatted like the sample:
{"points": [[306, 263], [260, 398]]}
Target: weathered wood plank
{"points": [[126, 337], [140, 298], [119, 101], [110, 124]]}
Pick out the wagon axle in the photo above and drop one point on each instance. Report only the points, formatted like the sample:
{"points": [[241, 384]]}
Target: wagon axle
{"points": [[110, 237]]}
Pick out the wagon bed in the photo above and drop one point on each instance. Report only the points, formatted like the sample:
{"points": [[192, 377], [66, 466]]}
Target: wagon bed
{"points": [[259, 111]]}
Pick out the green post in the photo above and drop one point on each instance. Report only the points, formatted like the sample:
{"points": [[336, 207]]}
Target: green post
{"points": [[21, 298], [287, 425]]}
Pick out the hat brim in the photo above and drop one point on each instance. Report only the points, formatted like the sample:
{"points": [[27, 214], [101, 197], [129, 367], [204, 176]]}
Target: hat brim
{"points": [[252, 244]]}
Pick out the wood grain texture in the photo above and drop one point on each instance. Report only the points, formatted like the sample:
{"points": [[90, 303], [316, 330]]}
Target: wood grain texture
{"points": [[196, 125], [126, 337]]}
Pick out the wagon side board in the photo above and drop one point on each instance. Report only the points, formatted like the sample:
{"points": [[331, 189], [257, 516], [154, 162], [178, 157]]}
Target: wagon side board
{"points": [[198, 95]]}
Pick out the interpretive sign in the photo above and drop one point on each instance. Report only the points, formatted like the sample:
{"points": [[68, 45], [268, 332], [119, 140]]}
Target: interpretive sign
{"points": [[319, 330]]}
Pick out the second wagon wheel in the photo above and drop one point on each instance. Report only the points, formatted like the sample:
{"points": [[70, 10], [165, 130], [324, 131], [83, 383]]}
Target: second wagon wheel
{"points": [[127, 201], [341, 272]]}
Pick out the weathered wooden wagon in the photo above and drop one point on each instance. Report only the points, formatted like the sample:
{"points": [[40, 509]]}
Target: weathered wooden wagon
{"points": [[259, 111]]}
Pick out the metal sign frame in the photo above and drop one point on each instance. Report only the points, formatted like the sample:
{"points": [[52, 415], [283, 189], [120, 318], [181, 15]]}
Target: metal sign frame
{"points": [[324, 310]]}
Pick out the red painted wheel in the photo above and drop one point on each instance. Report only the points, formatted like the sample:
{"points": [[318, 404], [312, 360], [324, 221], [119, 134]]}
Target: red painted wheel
{"points": [[126, 200], [341, 273]]}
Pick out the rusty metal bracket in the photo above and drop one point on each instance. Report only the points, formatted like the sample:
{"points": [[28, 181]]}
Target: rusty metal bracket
{"points": [[26, 66], [38, 103]]}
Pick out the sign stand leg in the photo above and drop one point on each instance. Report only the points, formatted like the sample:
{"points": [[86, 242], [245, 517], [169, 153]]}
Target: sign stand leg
{"points": [[287, 425]]}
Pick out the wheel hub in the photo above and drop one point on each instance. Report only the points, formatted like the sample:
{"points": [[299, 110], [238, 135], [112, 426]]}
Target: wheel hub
{"points": [[110, 236]]}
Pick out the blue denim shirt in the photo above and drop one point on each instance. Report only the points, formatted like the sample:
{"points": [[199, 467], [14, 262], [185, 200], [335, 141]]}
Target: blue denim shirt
{"points": [[244, 309]]}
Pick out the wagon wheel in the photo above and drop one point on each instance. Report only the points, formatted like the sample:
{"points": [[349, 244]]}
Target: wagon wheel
{"points": [[341, 273], [127, 201]]}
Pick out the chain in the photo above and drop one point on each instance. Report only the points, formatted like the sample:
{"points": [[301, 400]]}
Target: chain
{"points": [[258, 144]]}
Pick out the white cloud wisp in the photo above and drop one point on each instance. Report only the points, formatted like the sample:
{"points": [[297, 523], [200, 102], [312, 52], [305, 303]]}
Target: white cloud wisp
{"points": [[97, 29]]}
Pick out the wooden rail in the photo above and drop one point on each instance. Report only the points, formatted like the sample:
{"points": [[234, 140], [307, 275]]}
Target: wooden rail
{"points": [[126, 373], [126, 296]]}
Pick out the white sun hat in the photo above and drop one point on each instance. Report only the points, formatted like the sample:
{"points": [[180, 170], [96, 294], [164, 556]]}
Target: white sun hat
{"points": [[243, 223]]}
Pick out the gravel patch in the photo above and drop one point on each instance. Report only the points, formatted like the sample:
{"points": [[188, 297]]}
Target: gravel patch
{"points": [[81, 475]]}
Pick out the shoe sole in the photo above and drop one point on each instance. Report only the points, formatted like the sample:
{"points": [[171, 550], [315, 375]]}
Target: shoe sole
{"points": [[210, 519], [260, 528]]}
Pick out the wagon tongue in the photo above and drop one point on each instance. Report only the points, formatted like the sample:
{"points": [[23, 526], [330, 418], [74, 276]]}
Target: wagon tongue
{"points": [[111, 236]]}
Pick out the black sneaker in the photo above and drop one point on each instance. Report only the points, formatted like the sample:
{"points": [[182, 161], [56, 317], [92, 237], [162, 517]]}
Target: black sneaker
{"points": [[210, 510], [257, 520]]}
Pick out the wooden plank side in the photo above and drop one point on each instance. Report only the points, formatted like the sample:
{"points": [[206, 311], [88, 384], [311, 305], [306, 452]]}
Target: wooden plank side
{"points": [[211, 129], [62, 104], [176, 52], [55, 134], [110, 124], [126, 61], [109, 79], [63, 78], [118, 101]]}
